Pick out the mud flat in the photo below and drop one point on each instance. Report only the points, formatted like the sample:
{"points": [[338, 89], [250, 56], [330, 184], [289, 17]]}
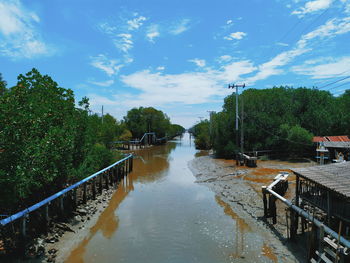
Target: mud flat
{"points": [[240, 188]]}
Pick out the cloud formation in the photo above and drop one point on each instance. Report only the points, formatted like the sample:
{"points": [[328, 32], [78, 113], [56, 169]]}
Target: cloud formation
{"points": [[109, 66], [198, 62], [236, 35], [180, 27], [152, 33], [312, 6], [324, 68], [20, 37]]}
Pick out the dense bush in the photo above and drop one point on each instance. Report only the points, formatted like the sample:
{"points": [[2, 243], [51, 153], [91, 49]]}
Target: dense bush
{"points": [[45, 141], [141, 120], [280, 119]]}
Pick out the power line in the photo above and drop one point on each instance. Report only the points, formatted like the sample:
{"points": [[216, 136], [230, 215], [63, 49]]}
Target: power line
{"points": [[343, 84], [334, 82], [330, 78], [282, 138]]}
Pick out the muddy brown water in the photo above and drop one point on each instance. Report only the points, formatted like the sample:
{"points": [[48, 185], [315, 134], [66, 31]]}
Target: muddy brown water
{"points": [[161, 215]]}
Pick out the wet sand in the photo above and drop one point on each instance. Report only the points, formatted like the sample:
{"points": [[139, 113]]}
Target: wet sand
{"points": [[239, 187]]}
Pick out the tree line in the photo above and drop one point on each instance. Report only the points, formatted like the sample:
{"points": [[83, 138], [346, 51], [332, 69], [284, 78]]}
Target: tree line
{"points": [[281, 119], [48, 142]]}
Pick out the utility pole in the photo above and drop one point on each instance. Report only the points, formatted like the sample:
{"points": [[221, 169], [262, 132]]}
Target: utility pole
{"points": [[211, 112], [233, 86], [242, 131], [102, 113]]}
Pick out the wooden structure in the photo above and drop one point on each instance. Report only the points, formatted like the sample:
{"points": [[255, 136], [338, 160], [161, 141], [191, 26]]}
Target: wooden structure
{"points": [[247, 160], [18, 229], [149, 138], [332, 148], [324, 190]]}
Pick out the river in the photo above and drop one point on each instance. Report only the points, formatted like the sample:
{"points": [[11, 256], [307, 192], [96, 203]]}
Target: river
{"points": [[161, 215]]}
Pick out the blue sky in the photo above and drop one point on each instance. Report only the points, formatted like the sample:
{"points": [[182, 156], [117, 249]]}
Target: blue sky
{"points": [[178, 56]]}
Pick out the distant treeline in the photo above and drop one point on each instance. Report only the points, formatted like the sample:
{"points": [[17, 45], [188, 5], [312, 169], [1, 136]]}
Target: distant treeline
{"points": [[282, 119], [47, 142]]}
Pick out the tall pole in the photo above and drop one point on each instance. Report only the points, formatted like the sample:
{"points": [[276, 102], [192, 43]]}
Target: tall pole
{"points": [[242, 131], [233, 86], [102, 113], [211, 112]]}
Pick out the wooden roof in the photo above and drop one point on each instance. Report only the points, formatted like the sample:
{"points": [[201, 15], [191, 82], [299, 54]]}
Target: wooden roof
{"points": [[335, 177]]}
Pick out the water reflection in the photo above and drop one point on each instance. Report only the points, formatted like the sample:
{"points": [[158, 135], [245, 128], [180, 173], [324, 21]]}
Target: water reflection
{"points": [[161, 215], [240, 230], [107, 223]]}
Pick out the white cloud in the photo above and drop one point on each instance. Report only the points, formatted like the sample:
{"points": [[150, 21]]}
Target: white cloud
{"points": [[160, 68], [135, 23], [282, 44], [109, 66], [152, 33], [330, 67], [305, 44], [225, 58], [159, 89], [236, 35], [312, 6], [106, 83], [121, 34], [228, 22], [20, 37], [124, 42], [180, 27], [198, 62]]}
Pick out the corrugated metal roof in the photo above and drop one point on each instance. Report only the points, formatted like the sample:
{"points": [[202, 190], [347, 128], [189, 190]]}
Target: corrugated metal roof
{"points": [[341, 138], [335, 177]]}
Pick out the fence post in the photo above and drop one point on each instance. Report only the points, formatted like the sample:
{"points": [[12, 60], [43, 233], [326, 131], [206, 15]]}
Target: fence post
{"points": [[23, 235], [61, 204], [94, 188], [46, 218], [106, 180], [131, 162], [264, 201], [101, 183], [84, 193]]}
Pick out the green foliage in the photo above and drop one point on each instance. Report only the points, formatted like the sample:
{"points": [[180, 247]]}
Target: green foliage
{"points": [[45, 141], [202, 134], [3, 85], [141, 120], [281, 118]]}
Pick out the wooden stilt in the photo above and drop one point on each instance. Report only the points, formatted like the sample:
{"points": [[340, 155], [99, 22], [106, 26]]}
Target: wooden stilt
{"points": [[23, 236], [264, 201], [94, 188], [84, 193], [100, 183]]}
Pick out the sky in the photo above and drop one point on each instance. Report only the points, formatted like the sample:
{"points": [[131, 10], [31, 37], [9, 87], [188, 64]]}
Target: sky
{"points": [[177, 56]]}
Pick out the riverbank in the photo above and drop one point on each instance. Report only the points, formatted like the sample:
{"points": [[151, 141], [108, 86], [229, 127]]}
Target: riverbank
{"points": [[240, 188]]}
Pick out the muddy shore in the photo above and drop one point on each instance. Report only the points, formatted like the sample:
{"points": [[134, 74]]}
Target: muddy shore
{"points": [[240, 188]]}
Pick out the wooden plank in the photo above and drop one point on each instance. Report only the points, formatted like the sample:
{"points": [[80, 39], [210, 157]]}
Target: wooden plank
{"points": [[324, 257]]}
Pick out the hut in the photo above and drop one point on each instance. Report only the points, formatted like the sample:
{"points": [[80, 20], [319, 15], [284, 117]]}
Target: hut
{"points": [[332, 148], [324, 191]]}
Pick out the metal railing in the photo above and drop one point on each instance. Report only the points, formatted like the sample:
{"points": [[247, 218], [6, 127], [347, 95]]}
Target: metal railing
{"points": [[303, 213], [61, 193]]}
